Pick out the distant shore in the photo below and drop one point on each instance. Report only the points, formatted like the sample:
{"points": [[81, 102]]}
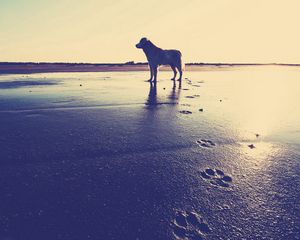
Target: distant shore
{"points": [[44, 67]]}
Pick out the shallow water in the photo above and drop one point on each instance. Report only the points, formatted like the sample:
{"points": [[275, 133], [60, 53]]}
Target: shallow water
{"points": [[110, 156]]}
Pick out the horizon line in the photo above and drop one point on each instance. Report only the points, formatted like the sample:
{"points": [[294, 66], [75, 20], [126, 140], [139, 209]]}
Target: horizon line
{"points": [[146, 63]]}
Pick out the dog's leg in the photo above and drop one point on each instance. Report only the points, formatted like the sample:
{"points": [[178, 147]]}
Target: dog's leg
{"points": [[175, 72], [180, 72], [155, 72], [151, 73], [180, 75]]}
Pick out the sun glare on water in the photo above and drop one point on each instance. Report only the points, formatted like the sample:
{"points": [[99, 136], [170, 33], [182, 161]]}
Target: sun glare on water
{"points": [[266, 106]]}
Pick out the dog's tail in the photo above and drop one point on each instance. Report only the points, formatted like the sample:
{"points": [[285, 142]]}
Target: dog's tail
{"points": [[182, 64]]}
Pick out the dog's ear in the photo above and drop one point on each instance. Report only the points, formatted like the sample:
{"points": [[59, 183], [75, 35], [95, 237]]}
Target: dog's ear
{"points": [[144, 40]]}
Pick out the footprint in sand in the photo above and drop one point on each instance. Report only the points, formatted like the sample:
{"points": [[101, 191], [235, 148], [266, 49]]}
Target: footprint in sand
{"points": [[185, 112], [189, 225], [205, 143], [251, 146], [194, 96], [216, 177], [189, 82]]}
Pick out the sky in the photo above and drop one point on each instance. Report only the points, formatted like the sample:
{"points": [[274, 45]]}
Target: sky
{"points": [[101, 31]]}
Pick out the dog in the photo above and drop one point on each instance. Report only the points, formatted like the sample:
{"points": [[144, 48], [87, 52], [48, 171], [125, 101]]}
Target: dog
{"points": [[157, 56]]}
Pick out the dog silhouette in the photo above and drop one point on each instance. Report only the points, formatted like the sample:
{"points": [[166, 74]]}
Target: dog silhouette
{"points": [[157, 56]]}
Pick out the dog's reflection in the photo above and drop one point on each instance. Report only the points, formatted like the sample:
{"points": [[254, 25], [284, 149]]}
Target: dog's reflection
{"points": [[174, 95], [153, 101], [152, 96]]}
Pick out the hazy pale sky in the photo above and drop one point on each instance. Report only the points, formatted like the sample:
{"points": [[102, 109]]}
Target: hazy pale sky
{"points": [[107, 30]]}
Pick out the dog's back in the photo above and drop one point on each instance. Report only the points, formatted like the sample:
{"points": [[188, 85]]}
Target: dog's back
{"points": [[172, 57]]}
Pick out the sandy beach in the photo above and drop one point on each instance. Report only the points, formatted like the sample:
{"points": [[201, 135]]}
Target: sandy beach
{"points": [[106, 155]]}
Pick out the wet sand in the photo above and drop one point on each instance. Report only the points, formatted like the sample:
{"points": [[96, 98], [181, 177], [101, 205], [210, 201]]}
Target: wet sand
{"points": [[108, 156], [44, 67]]}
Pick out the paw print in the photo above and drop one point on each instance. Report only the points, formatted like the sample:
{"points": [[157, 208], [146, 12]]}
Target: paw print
{"points": [[185, 112], [193, 96], [216, 177], [189, 225], [205, 143]]}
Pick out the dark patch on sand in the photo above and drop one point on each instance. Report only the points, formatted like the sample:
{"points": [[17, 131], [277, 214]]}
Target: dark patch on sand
{"points": [[104, 78], [251, 146], [185, 104], [19, 84], [189, 82], [185, 112], [64, 101], [193, 96]]}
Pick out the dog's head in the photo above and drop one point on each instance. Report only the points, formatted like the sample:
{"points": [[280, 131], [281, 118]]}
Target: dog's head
{"points": [[143, 42]]}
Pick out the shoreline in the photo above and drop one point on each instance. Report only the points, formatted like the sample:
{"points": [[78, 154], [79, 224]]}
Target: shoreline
{"points": [[43, 67]]}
